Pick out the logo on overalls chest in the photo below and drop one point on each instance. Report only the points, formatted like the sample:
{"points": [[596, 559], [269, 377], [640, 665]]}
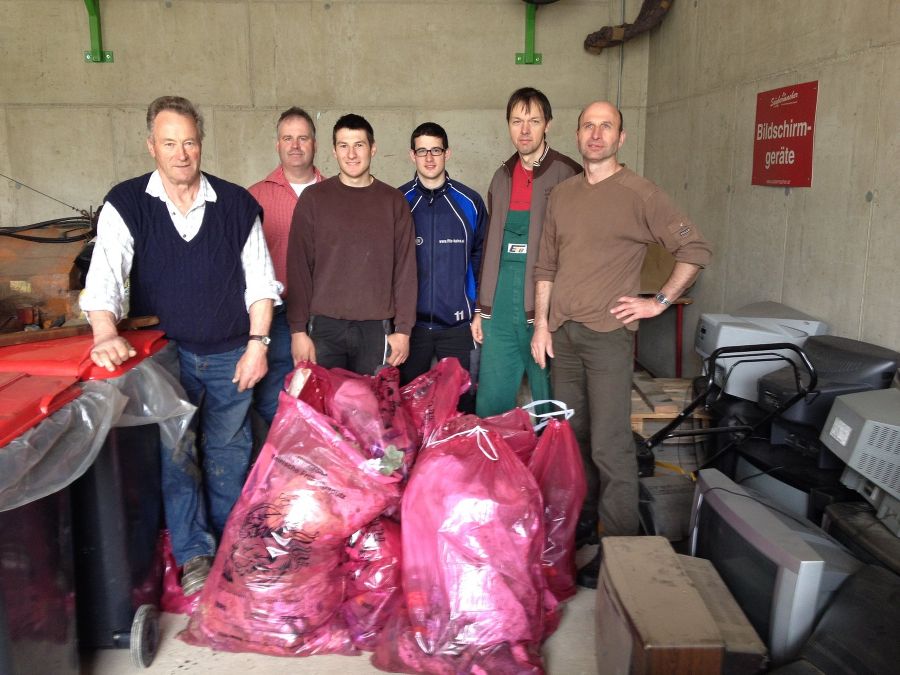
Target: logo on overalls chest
{"points": [[519, 249]]}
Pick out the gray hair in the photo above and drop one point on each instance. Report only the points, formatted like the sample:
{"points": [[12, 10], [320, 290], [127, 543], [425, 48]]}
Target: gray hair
{"points": [[178, 105]]}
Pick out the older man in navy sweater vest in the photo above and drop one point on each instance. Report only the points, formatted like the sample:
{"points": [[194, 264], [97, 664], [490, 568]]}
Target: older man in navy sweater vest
{"points": [[194, 250]]}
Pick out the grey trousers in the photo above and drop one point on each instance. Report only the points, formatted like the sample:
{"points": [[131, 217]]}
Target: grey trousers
{"points": [[592, 374]]}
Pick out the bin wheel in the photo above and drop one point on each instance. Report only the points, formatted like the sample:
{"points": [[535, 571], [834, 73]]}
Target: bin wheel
{"points": [[144, 636]]}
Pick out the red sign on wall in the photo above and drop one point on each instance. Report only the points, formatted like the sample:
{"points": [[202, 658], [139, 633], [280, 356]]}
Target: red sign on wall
{"points": [[783, 136]]}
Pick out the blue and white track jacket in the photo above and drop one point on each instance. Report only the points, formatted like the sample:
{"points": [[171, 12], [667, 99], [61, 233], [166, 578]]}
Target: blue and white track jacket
{"points": [[450, 224]]}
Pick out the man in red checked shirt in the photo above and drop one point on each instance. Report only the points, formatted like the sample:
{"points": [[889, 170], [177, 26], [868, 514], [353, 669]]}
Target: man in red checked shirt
{"points": [[277, 193]]}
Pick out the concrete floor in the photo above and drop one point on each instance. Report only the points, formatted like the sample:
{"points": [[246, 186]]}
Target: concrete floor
{"points": [[569, 651]]}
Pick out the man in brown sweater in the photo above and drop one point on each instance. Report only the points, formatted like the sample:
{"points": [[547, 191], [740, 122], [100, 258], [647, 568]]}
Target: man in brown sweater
{"points": [[587, 278], [351, 263]]}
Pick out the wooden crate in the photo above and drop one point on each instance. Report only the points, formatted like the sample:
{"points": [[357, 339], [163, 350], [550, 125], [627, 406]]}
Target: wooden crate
{"points": [[657, 401]]}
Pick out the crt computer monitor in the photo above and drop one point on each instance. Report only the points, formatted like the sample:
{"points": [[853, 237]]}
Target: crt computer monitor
{"points": [[843, 366], [757, 323], [863, 430], [781, 570]]}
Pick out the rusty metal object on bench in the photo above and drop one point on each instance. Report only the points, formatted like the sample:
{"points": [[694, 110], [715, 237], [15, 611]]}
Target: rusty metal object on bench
{"points": [[651, 15], [28, 336]]}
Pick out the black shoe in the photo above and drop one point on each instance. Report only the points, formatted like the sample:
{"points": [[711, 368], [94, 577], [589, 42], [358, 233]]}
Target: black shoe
{"points": [[587, 575], [586, 532]]}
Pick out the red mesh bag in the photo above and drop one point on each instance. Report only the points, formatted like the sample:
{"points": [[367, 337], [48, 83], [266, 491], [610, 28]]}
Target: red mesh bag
{"points": [[277, 581]]}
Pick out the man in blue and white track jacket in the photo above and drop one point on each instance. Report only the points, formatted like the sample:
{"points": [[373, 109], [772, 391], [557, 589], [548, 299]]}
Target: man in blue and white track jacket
{"points": [[450, 220]]}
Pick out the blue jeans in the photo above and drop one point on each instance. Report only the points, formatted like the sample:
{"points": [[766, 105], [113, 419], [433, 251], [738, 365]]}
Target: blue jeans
{"points": [[265, 394], [201, 487]]}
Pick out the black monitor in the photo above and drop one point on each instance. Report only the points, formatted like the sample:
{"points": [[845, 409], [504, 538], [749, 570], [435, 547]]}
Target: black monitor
{"points": [[843, 366]]}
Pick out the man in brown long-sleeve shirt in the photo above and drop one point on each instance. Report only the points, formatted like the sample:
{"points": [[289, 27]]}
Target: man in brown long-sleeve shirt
{"points": [[351, 263], [596, 232]]}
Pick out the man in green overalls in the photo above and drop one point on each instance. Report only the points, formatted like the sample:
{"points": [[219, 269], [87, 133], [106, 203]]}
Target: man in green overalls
{"points": [[504, 322]]}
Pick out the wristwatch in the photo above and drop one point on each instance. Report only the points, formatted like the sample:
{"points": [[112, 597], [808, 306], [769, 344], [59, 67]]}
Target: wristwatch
{"points": [[265, 339], [662, 299]]}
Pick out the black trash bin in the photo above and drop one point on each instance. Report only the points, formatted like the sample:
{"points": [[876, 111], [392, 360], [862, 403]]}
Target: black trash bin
{"points": [[117, 516], [37, 589], [117, 510]]}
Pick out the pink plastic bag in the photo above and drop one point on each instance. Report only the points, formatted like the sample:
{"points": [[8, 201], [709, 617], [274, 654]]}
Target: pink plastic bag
{"points": [[277, 582], [514, 426], [398, 652], [374, 585], [172, 599], [431, 398], [472, 541], [370, 407], [557, 467], [400, 428]]}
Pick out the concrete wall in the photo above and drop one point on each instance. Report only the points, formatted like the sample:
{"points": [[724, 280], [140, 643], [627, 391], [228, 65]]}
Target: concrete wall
{"points": [[831, 250], [72, 129]]}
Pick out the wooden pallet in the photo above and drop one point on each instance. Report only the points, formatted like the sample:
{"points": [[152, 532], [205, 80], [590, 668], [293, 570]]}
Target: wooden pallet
{"points": [[655, 401]]}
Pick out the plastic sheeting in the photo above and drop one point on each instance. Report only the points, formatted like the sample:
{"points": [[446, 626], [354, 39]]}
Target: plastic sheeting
{"points": [[50, 456], [60, 449], [155, 396]]}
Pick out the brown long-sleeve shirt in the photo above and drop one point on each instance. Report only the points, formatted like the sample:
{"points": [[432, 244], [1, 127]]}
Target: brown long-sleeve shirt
{"points": [[595, 239], [351, 255]]}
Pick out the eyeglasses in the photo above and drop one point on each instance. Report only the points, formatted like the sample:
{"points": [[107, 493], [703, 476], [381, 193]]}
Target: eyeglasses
{"points": [[434, 152]]}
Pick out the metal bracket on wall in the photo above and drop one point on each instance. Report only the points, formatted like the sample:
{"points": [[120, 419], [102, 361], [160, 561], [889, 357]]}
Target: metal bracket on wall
{"points": [[528, 57], [96, 53]]}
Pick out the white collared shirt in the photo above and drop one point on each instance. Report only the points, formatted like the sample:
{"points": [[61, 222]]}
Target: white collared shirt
{"points": [[105, 287]]}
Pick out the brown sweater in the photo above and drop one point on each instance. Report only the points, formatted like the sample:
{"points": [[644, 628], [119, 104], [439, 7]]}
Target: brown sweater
{"points": [[594, 241], [351, 255]]}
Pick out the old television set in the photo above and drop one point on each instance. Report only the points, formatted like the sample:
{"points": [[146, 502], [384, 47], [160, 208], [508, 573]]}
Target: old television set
{"points": [[843, 366], [782, 570], [863, 430], [755, 324]]}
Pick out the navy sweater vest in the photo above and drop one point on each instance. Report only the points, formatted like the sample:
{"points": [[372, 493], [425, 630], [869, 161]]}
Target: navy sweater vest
{"points": [[196, 287]]}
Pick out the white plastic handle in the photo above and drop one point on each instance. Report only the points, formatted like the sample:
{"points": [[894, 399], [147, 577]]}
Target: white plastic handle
{"points": [[564, 411]]}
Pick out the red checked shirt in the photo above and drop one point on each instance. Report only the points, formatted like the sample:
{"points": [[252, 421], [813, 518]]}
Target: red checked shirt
{"points": [[278, 199]]}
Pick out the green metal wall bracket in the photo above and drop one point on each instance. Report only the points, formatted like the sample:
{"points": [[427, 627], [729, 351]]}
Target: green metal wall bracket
{"points": [[528, 57], [96, 53]]}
